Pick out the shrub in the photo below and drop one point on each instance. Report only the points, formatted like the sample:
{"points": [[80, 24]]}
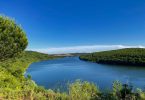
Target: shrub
{"points": [[83, 91]]}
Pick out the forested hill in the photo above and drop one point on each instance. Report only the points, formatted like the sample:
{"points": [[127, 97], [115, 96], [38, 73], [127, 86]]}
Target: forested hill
{"points": [[129, 56]]}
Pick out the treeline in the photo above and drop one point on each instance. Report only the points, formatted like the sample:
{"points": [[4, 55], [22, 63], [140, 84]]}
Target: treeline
{"points": [[129, 56]]}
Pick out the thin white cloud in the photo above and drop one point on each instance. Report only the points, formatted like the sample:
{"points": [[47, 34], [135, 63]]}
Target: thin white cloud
{"points": [[84, 49]]}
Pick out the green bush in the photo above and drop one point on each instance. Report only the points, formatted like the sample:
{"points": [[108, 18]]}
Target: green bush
{"points": [[83, 91]]}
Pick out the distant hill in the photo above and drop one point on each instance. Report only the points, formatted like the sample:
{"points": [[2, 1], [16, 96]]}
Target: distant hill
{"points": [[129, 56], [69, 54]]}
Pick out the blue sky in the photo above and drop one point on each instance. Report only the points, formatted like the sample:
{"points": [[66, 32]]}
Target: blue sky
{"points": [[71, 23]]}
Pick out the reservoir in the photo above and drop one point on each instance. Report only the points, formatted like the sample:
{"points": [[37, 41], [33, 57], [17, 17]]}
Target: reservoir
{"points": [[58, 73]]}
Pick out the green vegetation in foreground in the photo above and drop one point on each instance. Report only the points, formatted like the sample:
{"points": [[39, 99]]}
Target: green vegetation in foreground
{"points": [[130, 56], [13, 84]]}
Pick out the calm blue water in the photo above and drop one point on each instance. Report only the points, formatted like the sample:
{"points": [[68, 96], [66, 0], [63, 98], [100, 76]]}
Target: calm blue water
{"points": [[57, 73]]}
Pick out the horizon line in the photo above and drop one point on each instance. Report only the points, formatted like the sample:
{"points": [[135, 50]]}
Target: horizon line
{"points": [[83, 49]]}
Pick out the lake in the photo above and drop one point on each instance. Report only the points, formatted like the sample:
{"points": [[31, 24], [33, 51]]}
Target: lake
{"points": [[58, 73]]}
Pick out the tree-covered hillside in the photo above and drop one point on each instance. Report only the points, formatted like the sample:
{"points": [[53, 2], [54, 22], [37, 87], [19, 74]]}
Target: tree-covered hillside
{"points": [[129, 56]]}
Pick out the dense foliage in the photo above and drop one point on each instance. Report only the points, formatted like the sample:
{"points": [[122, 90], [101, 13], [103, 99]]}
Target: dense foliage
{"points": [[12, 38], [13, 84], [130, 56]]}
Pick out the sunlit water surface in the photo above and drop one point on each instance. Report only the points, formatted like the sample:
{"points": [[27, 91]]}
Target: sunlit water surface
{"points": [[59, 72]]}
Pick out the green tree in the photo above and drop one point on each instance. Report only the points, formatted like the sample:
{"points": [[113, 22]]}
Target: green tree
{"points": [[13, 39]]}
